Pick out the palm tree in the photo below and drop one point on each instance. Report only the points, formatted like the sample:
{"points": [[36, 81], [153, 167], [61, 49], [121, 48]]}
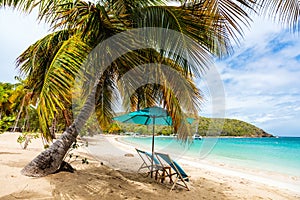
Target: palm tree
{"points": [[53, 62]]}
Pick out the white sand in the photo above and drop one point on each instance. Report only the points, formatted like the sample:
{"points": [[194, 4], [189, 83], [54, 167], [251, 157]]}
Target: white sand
{"points": [[95, 181], [228, 174], [12, 159]]}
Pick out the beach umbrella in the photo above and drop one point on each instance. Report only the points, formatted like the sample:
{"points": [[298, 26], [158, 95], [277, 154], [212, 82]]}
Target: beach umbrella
{"points": [[149, 116]]}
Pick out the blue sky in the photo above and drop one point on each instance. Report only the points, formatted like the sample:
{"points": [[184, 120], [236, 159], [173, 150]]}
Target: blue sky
{"points": [[261, 79]]}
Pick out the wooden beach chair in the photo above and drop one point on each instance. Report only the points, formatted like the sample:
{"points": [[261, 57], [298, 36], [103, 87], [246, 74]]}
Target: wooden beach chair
{"points": [[147, 162], [167, 163]]}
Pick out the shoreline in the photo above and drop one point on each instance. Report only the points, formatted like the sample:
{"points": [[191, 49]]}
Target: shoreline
{"points": [[281, 181], [216, 136], [214, 154]]}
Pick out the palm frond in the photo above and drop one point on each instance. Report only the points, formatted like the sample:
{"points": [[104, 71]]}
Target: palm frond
{"points": [[52, 64], [105, 100], [34, 62], [175, 37], [120, 7], [285, 11], [60, 78], [24, 5], [91, 21]]}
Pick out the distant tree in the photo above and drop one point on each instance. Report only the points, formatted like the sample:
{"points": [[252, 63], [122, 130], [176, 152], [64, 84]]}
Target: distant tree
{"points": [[166, 131], [142, 129], [6, 90], [7, 106], [114, 128]]}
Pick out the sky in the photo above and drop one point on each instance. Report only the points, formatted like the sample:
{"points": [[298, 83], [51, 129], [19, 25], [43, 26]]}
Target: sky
{"points": [[18, 31], [261, 79]]}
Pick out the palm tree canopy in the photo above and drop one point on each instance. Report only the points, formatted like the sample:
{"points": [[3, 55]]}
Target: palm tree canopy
{"points": [[285, 11], [53, 62]]}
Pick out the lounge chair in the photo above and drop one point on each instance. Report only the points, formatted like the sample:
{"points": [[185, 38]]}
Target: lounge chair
{"points": [[147, 162], [181, 176]]}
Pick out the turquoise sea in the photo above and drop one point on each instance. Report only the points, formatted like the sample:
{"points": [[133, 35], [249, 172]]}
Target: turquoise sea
{"points": [[271, 154]]}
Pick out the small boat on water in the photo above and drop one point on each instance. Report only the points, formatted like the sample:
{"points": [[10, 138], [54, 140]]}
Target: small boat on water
{"points": [[196, 136]]}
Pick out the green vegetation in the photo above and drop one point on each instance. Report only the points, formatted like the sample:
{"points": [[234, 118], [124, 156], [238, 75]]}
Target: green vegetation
{"points": [[18, 109], [25, 139], [11, 102], [6, 118], [5, 123], [231, 128], [71, 157]]}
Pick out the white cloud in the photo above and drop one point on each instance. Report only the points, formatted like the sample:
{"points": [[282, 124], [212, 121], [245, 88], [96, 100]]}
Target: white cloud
{"points": [[261, 80]]}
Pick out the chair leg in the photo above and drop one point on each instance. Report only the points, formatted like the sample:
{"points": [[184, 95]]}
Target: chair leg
{"points": [[170, 176], [163, 176], [156, 174], [187, 187], [174, 183], [141, 167]]}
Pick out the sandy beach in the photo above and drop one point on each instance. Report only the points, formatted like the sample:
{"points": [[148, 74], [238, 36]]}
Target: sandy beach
{"points": [[111, 174]]}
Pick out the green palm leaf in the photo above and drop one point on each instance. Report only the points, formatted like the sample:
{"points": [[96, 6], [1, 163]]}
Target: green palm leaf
{"points": [[60, 78], [61, 58]]}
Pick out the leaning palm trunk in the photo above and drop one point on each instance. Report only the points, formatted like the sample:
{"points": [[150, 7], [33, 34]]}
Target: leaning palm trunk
{"points": [[50, 160]]}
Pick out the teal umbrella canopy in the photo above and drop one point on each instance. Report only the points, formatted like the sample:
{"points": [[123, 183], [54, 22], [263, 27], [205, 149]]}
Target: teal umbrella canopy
{"points": [[151, 115], [147, 116]]}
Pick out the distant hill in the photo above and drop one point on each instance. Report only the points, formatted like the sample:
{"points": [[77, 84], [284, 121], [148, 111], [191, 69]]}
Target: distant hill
{"points": [[232, 127]]}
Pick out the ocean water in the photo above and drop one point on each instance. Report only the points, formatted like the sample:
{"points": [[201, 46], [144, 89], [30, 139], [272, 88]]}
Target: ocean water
{"points": [[270, 154]]}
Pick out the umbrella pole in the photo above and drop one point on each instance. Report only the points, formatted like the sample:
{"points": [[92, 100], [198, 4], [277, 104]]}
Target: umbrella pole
{"points": [[153, 131]]}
